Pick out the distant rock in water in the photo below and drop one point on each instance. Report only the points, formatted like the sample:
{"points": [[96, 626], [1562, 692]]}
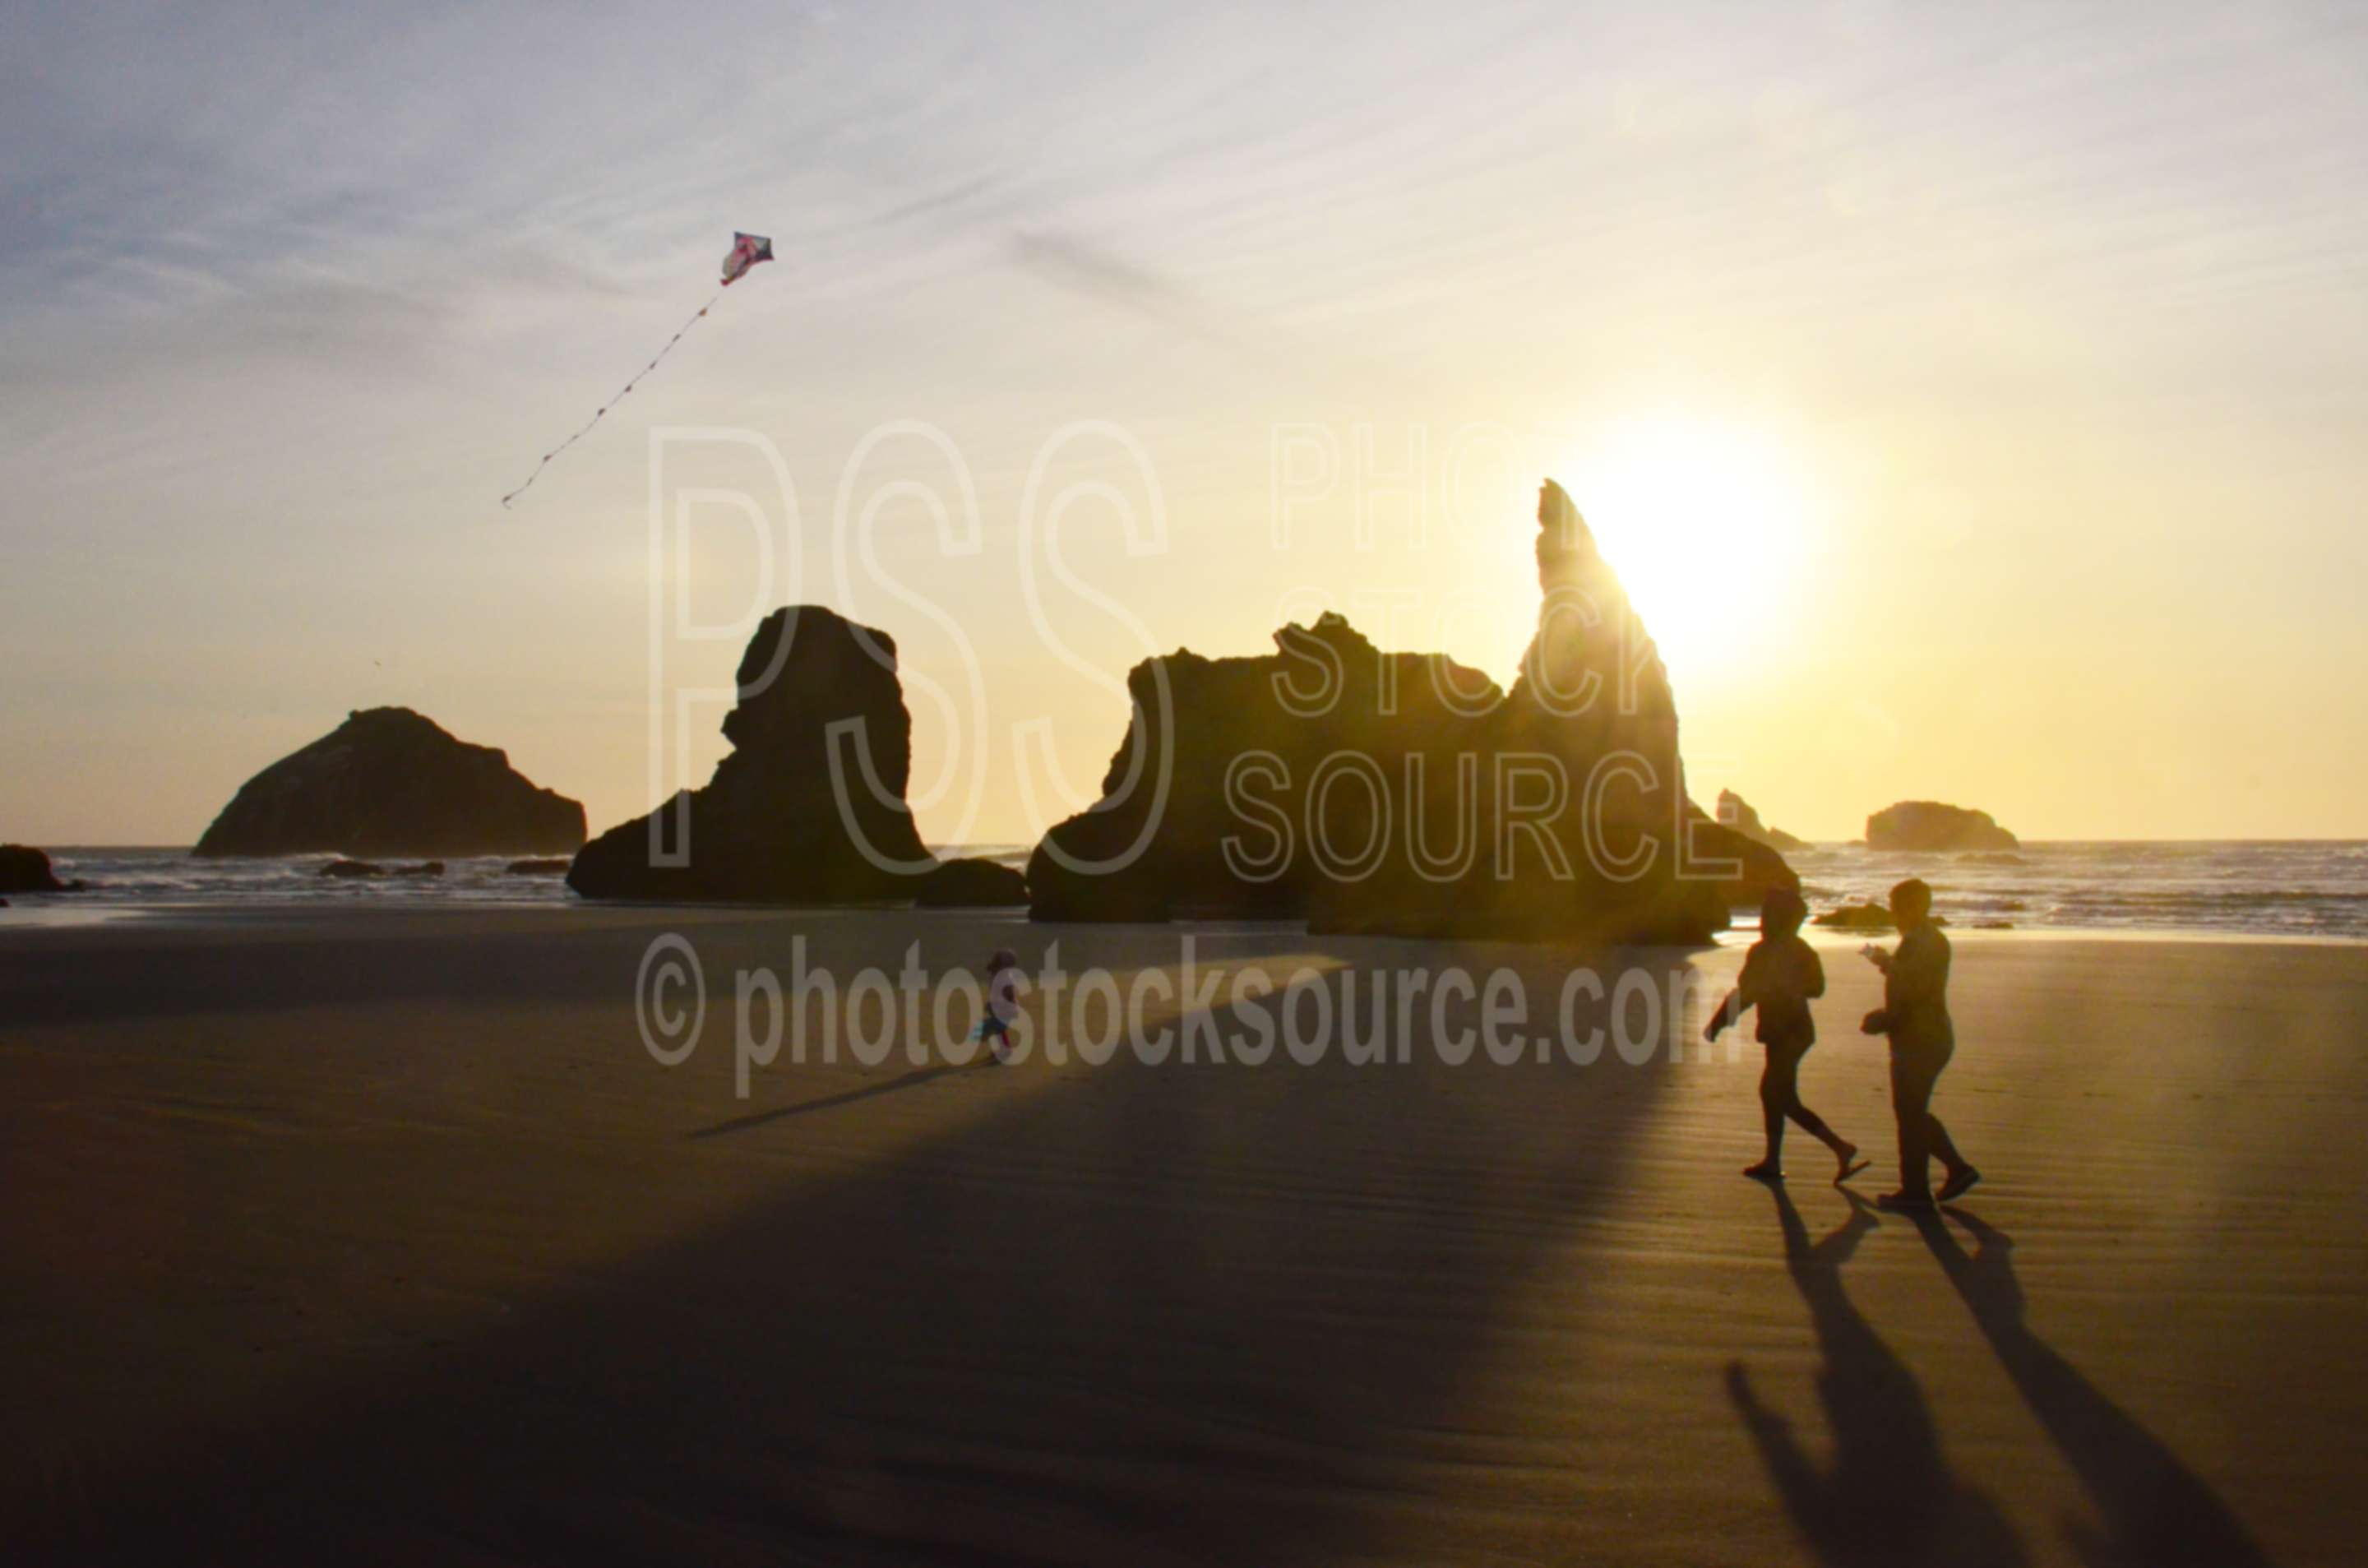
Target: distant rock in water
{"points": [[1856, 917], [389, 781], [778, 823], [1735, 812], [1403, 794], [24, 869], [1931, 827], [970, 884], [1869, 916]]}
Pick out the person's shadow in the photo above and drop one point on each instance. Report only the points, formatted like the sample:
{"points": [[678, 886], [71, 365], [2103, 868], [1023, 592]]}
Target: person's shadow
{"points": [[2158, 1513], [1888, 1500]]}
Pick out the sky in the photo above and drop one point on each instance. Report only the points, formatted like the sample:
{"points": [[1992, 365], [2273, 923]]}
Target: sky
{"points": [[1969, 396]]}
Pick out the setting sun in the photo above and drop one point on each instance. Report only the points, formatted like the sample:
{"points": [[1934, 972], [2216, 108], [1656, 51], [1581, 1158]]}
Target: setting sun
{"points": [[1702, 522]]}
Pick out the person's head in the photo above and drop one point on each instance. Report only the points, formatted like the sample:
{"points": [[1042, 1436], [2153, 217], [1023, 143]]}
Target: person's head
{"points": [[1004, 958], [1911, 901], [1781, 912]]}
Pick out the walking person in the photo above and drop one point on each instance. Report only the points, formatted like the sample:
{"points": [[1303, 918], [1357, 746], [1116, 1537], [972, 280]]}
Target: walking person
{"points": [[1915, 1014], [1781, 975]]}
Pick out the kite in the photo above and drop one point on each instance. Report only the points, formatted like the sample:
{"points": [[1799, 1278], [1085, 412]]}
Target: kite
{"points": [[747, 251]]}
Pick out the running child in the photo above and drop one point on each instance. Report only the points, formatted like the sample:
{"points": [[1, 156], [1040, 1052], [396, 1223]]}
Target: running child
{"points": [[1781, 974], [1002, 1004]]}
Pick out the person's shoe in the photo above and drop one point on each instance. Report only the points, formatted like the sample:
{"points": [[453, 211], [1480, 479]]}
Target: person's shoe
{"points": [[1765, 1171], [1848, 1164], [1961, 1181], [1913, 1203]]}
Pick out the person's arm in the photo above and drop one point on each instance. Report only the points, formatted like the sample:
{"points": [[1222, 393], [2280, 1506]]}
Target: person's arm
{"points": [[1744, 994], [1813, 973]]}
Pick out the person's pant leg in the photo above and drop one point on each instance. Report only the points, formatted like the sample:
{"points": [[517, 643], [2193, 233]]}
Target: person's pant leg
{"points": [[1938, 1144], [1914, 1072]]}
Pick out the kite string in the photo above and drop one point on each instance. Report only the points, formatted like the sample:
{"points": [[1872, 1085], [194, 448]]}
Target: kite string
{"points": [[612, 403]]}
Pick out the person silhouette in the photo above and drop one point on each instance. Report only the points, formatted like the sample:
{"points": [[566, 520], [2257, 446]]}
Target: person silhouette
{"points": [[1915, 1015], [1781, 974]]}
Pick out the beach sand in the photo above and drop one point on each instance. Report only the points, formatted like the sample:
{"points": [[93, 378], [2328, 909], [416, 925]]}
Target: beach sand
{"points": [[384, 1238]]}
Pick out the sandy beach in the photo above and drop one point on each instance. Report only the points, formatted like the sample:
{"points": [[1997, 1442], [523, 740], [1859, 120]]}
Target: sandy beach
{"points": [[383, 1237]]}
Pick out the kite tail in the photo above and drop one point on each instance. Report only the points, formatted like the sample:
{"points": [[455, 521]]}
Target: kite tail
{"points": [[610, 403]]}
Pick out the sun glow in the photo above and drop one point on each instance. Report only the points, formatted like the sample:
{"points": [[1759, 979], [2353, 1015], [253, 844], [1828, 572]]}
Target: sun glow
{"points": [[1705, 526]]}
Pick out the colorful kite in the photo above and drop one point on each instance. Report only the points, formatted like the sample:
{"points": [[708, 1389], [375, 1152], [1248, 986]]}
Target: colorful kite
{"points": [[747, 251]]}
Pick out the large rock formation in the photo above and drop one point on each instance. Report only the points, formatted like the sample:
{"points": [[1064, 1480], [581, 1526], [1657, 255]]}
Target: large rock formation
{"points": [[1204, 809], [775, 823], [1743, 868], [1591, 835], [1403, 794], [389, 782], [1735, 812], [24, 869], [1930, 826]]}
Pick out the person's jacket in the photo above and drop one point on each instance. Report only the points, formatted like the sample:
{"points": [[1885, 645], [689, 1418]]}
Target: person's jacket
{"points": [[1915, 992], [1781, 975]]}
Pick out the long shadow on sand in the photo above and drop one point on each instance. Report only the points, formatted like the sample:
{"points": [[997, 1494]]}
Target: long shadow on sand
{"points": [[1889, 1499], [913, 1080], [2158, 1513], [1128, 1315]]}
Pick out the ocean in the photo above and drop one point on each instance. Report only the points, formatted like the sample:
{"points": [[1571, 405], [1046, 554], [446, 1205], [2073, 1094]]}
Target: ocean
{"points": [[2258, 887], [2284, 889]]}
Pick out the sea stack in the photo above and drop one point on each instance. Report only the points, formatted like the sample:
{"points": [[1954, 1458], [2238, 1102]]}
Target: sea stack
{"points": [[809, 807], [1736, 812], [389, 782], [1591, 837], [1931, 827], [1230, 748], [1744, 869], [1403, 794], [24, 869]]}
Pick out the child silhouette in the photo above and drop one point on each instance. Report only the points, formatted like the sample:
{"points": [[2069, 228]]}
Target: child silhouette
{"points": [[1781, 974]]}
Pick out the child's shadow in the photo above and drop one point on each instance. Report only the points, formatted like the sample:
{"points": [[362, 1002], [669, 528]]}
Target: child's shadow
{"points": [[1888, 1500], [2158, 1513]]}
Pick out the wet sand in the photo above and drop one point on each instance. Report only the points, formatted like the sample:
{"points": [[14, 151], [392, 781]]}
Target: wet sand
{"points": [[383, 1237]]}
